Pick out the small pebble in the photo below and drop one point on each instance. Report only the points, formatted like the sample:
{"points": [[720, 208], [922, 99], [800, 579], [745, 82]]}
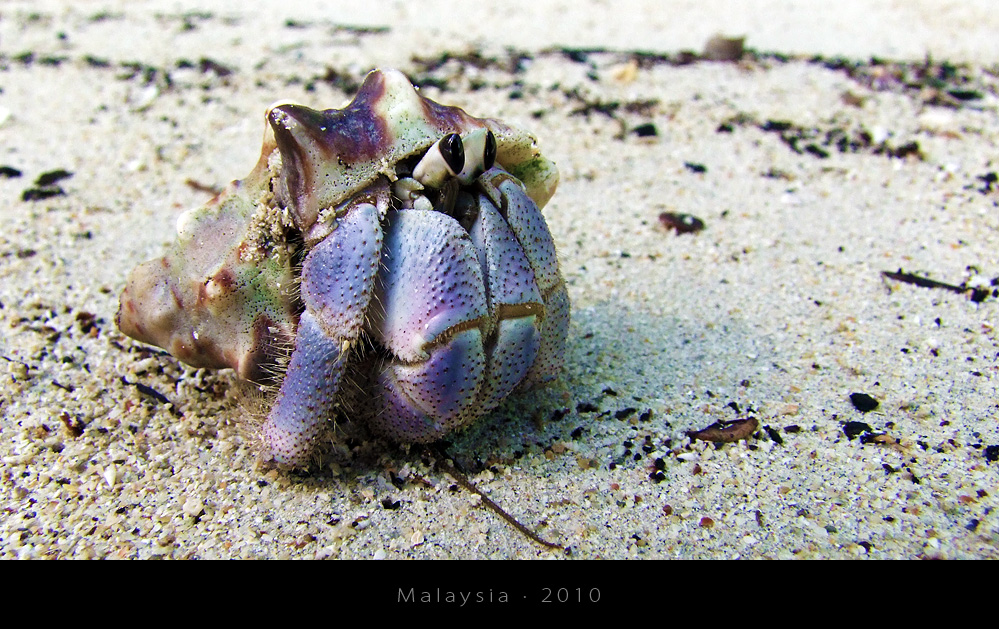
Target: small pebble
{"points": [[863, 402]]}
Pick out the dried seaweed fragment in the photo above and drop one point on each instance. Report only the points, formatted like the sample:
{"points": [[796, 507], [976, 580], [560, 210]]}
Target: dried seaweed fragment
{"points": [[682, 223], [977, 293], [726, 432]]}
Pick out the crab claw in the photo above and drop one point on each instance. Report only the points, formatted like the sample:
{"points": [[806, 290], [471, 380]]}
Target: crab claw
{"points": [[432, 323]]}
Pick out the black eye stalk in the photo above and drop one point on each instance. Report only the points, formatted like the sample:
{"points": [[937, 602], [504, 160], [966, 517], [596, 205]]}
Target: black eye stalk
{"points": [[480, 146], [443, 161], [453, 156]]}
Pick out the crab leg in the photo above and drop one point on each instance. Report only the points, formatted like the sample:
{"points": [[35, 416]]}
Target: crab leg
{"points": [[531, 231], [515, 305], [337, 280]]}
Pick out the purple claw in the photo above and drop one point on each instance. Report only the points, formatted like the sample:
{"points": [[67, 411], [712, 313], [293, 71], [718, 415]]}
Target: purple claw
{"points": [[434, 307], [423, 402]]}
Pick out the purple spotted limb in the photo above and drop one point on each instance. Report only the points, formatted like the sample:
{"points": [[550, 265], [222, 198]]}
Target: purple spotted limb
{"points": [[336, 287]]}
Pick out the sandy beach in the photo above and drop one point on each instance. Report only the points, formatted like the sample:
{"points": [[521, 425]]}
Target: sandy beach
{"points": [[842, 291]]}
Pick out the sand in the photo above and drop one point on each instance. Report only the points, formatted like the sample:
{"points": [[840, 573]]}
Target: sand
{"points": [[813, 170]]}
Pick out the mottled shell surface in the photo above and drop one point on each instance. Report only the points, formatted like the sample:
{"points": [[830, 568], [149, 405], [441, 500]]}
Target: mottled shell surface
{"points": [[225, 293]]}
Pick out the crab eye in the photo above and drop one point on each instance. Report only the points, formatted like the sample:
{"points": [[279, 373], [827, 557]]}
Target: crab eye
{"points": [[444, 159], [480, 147], [489, 154], [453, 152]]}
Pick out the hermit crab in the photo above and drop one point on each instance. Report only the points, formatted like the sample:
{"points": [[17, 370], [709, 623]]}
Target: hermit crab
{"points": [[388, 260]]}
